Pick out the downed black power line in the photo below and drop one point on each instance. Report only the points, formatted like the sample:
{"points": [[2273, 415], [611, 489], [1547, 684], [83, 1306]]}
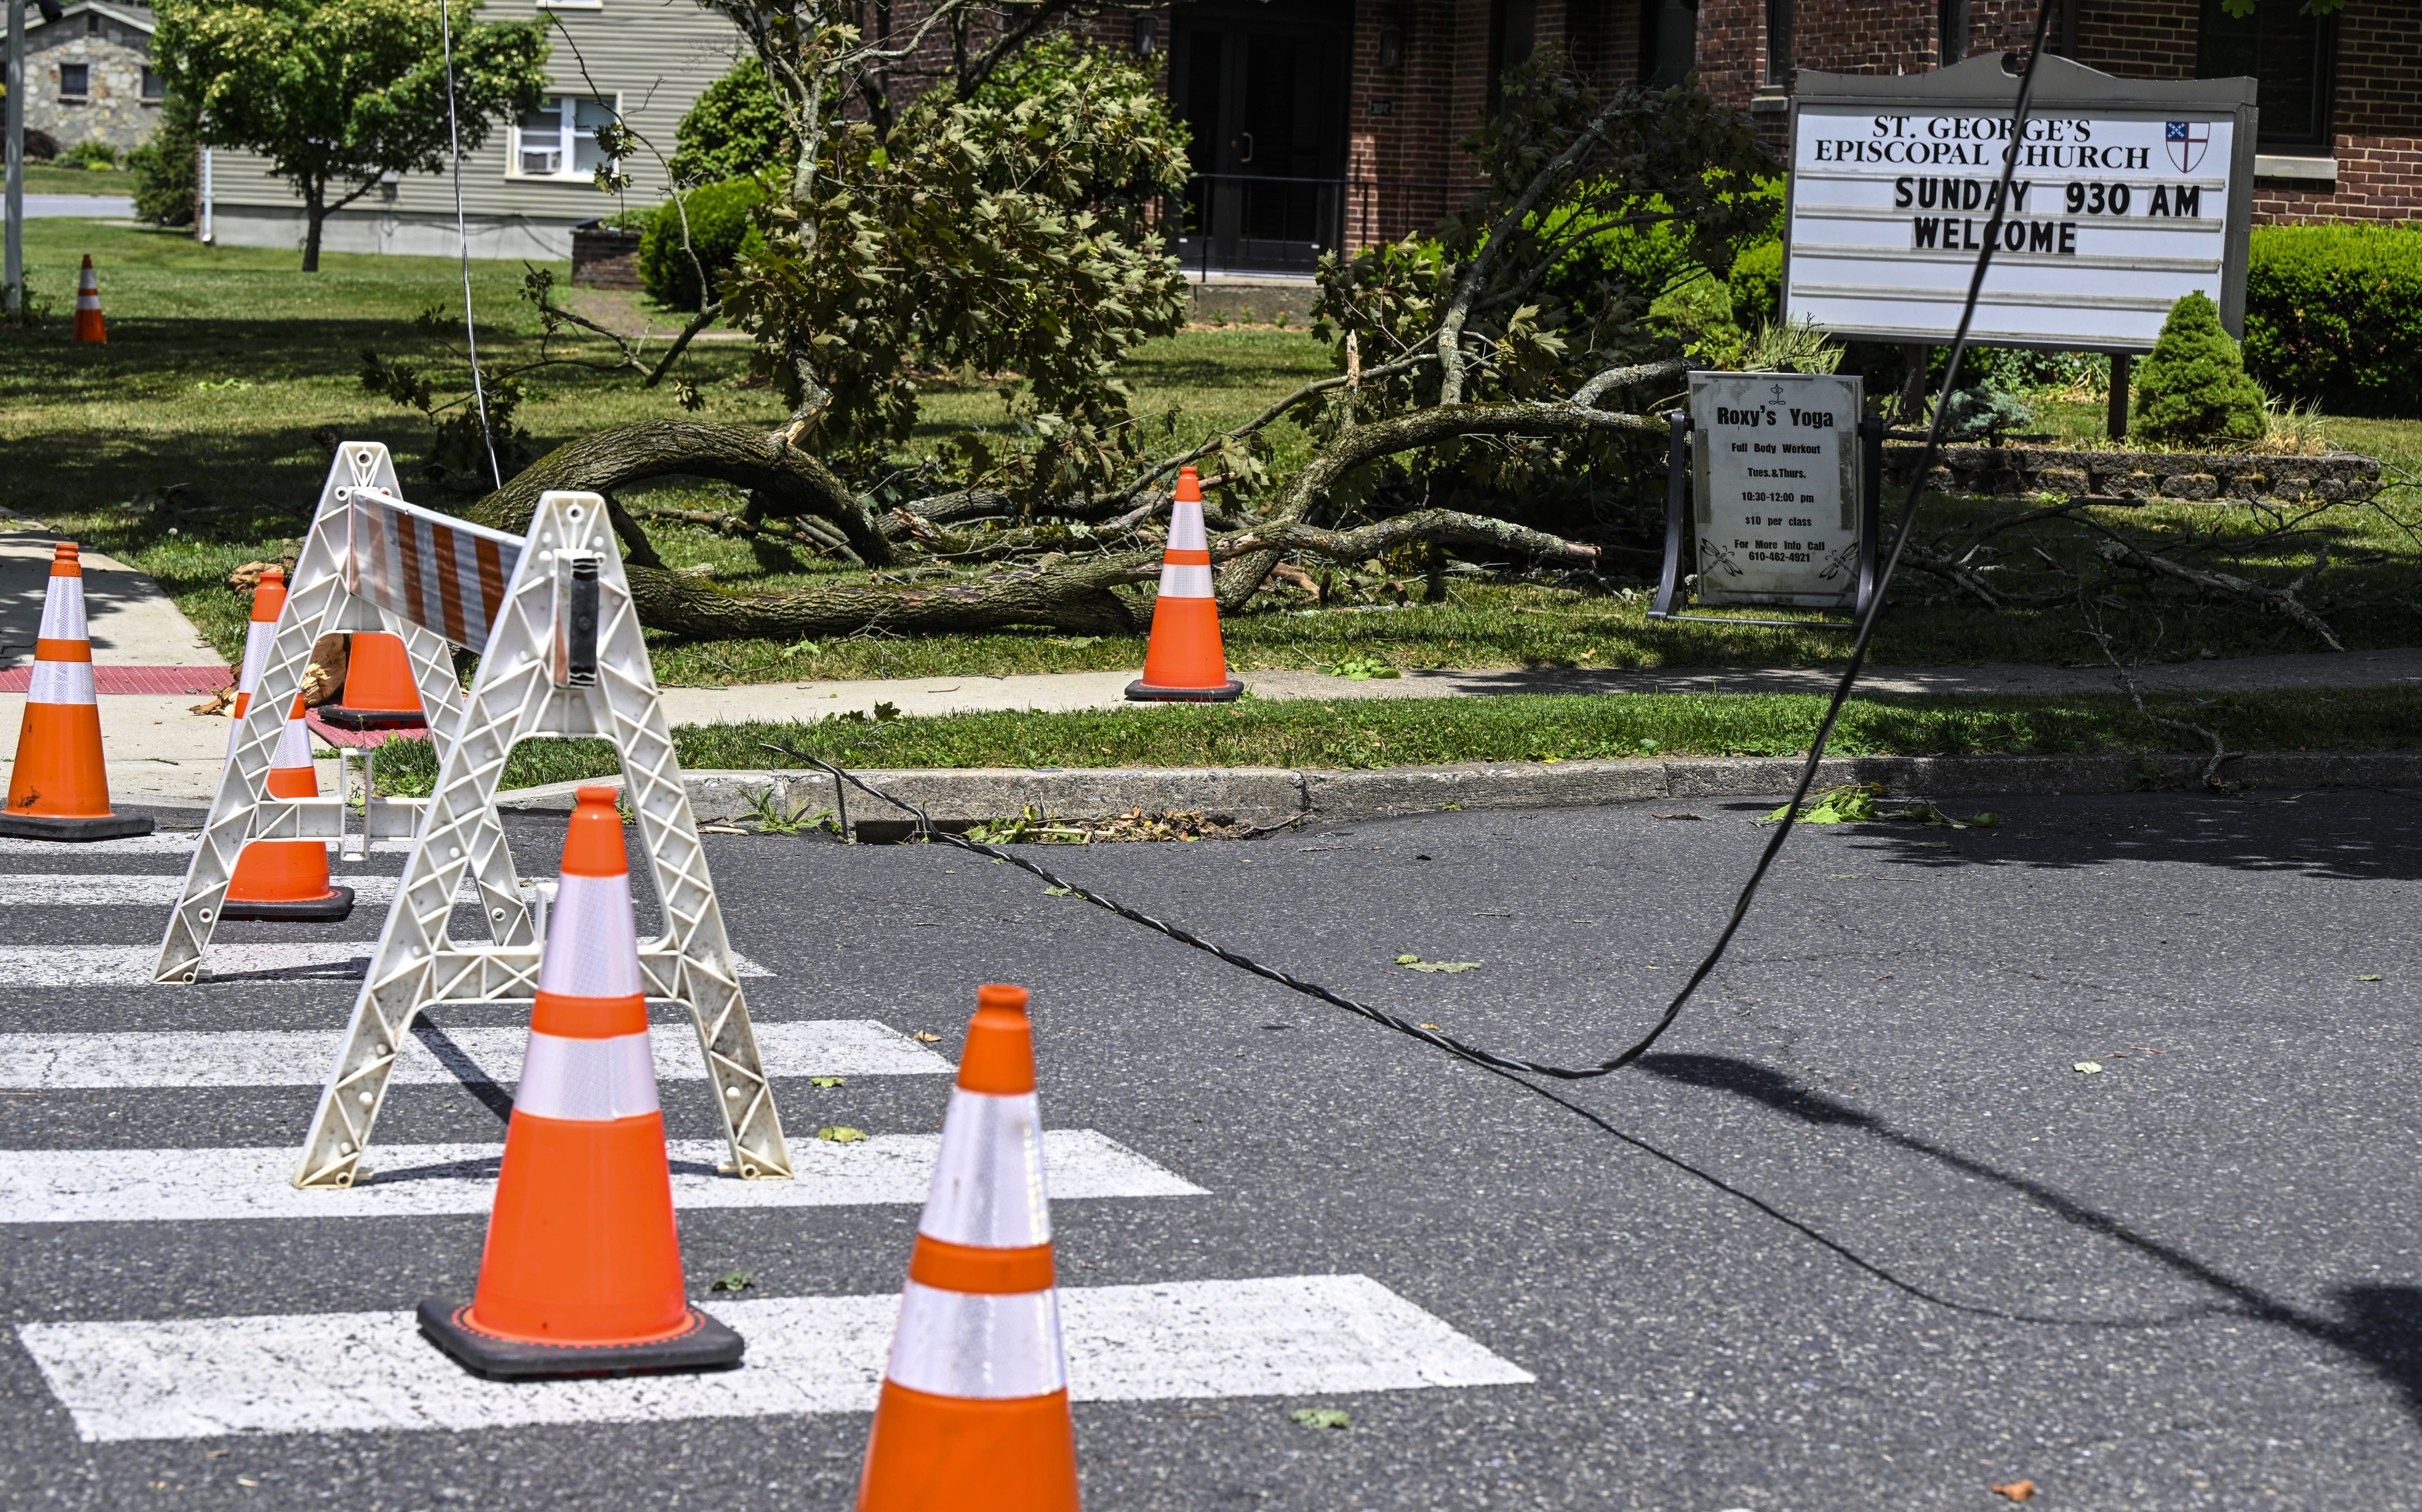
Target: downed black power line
{"points": [[1849, 678]]}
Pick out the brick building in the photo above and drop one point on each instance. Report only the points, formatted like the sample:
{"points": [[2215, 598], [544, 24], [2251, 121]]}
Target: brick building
{"points": [[2341, 95], [1324, 122]]}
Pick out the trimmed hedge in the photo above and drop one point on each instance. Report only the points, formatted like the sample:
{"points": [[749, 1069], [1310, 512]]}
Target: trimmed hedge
{"points": [[2334, 316], [719, 232]]}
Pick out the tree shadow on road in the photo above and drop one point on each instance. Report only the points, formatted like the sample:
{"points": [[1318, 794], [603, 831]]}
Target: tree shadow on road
{"points": [[2380, 1326]]}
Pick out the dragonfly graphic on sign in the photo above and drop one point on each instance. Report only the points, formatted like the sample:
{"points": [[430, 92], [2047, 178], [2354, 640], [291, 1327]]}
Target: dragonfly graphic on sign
{"points": [[2187, 140]]}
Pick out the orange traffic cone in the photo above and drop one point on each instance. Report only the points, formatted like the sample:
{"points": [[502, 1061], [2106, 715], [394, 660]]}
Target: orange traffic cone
{"points": [[974, 1411], [89, 326], [1183, 661], [582, 1274], [380, 693], [59, 786], [280, 880]]}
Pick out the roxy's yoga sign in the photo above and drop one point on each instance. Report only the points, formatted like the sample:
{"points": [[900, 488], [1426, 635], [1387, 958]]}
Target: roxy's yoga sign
{"points": [[2124, 197]]}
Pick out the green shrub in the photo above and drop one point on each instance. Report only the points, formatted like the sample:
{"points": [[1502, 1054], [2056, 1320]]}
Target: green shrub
{"points": [[1756, 284], [2334, 316], [719, 232], [2193, 388], [94, 154], [164, 176], [735, 131]]}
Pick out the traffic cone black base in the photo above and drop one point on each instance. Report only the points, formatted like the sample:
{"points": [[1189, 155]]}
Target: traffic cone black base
{"points": [[360, 720], [101, 827], [1145, 693], [336, 905], [704, 1344]]}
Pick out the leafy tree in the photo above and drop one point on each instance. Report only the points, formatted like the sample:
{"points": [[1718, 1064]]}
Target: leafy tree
{"points": [[1026, 216], [336, 93], [735, 131], [166, 175], [2193, 388]]}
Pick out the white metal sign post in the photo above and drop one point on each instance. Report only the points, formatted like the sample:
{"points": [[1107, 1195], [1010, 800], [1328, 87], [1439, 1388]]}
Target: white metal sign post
{"points": [[2126, 195], [1783, 496]]}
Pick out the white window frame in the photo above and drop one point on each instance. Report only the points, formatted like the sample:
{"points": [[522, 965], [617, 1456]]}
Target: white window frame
{"points": [[565, 142], [77, 94]]}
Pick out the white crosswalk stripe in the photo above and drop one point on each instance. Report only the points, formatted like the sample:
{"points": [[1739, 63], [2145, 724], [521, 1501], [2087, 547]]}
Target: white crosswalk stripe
{"points": [[158, 843], [161, 890], [1272, 1336], [299, 1057], [124, 1378], [127, 966], [421, 1180]]}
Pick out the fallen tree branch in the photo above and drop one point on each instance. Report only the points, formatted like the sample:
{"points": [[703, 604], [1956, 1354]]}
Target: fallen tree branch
{"points": [[2279, 601]]}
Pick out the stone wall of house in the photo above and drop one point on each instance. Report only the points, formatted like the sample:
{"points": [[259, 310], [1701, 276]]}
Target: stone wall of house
{"points": [[113, 106]]}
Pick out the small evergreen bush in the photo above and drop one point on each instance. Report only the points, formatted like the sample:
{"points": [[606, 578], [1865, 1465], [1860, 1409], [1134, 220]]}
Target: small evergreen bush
{"points": [[1756, 284], [718, 232], [2193, 388], [165, 179], [2334, 316]]}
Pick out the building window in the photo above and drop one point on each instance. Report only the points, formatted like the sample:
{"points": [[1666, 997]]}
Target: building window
{"points": [[1778, 44], [558, 139], [155, 89], [1950, 31], [2289, 52], [1513, 32], [1670, 49], [75, 80]]}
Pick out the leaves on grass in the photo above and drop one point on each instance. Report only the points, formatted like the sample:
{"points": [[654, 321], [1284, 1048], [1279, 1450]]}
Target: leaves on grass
{"points": [[1320, 1417], [825, 1082], [2091, 1068], [2017, 1490], [1414, 963], [1359, 669], [840, 1134], [732, 1280]]}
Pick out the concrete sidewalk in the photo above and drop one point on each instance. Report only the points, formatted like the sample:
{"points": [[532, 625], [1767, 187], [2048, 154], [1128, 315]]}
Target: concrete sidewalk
{"points": [[1054, 692], [157, 747]]}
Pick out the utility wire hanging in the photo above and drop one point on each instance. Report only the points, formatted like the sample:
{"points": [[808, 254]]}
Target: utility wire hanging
{"points": [[462, 239], [1799, 794]]}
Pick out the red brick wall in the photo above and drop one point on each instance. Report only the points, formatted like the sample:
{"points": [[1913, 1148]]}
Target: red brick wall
{"points": [[2139, 39]]}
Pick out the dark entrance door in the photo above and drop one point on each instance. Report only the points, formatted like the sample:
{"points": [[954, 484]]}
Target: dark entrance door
{"points": [[1265, 96]]}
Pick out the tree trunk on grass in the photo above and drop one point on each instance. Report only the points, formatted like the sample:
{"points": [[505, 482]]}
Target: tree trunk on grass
{"points": [[1073, 593], [315, 220]]}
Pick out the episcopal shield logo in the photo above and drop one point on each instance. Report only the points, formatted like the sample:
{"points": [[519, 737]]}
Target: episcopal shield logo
{"points": [[2188, 140]]}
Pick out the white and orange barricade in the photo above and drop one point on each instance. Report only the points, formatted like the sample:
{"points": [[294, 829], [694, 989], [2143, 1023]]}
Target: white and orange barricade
{"points": [[59, 782], [280, 880], [1184, 661], [560, 656], [974, 1408], [582, 1272], [89, 325]]}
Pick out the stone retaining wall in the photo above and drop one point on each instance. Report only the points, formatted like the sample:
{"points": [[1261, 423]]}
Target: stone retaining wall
{"points": [[2192, 477]]}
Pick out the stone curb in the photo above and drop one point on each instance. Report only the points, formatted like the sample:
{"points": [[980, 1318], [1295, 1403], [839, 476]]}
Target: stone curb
{"points": [[1266, 794]]}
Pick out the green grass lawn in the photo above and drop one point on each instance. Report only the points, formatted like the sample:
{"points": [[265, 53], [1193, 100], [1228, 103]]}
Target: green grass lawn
{"points": [[54, 179], [222, 361], [1411, 731]]}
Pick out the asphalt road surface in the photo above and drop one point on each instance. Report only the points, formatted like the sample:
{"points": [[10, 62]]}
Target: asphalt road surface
{"points": [[1860, 1235]]}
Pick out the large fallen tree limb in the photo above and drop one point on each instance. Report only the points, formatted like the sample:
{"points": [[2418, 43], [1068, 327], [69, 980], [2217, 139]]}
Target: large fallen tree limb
{"points": [[2277, 601], [787, 479]]}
